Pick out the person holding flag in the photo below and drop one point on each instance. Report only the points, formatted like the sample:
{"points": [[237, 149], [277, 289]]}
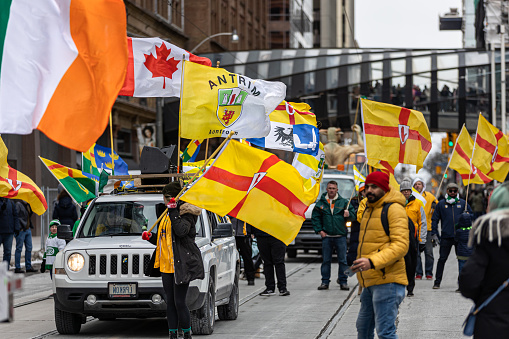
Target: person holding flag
{"points": [[429, 208]]}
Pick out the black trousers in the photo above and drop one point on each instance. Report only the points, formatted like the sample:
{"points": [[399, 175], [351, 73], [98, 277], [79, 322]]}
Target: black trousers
{"points": [[177, 312], [411, 265], [273, 253], [246, 252]]}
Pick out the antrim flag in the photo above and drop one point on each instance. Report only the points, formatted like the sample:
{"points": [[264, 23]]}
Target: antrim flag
{"points": [[16, 185], [191, 151], [395, 134], [461, 162], [310, 169], [358, 177], [62, 65], [292, 128], [215, 103], [491, 150], [254, 186], [79, 187], [383, 165], [155, 68]]}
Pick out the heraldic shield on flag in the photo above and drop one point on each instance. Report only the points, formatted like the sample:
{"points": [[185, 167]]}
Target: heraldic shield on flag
{"points": [[229, 105]]}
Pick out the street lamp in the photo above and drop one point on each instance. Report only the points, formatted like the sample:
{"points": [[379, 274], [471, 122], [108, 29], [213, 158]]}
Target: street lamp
{"points": [[235, 38]]}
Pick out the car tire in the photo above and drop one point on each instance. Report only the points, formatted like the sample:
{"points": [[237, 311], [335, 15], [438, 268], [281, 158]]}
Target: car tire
{"points": [[202, 320], [67, 323], [291, 252], [230, 311]]}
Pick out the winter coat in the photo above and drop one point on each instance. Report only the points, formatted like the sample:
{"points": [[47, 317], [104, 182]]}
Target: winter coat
{"points": [[65, 211], [360, 210], [9, 221], [351, 254], [385, 252], [463, 228], [484, 272], [53, 246], [416, 213], [332, 223], [238, 226], [477, 202], [430, 206], [24, 214], [449, 215], [188, 264]]}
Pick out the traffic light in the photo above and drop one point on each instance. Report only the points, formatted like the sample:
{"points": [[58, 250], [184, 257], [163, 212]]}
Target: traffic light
{"points": [[438, 169], [452, 140], [445, 149]]}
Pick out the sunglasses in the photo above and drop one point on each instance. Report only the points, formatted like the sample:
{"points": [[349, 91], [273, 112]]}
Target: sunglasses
{"points": [[452, 191], [168, 197]]}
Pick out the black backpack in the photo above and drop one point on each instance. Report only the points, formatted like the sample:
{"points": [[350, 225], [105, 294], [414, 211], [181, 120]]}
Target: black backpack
{"points": [[413, 244]]}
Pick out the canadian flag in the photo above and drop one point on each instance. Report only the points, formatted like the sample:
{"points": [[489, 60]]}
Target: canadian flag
{"points": [[155, 68]]}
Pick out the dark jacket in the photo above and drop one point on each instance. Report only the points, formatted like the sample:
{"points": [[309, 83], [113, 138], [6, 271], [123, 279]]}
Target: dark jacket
{"points": [[351, 254], [332, 224], [463, 228], [238, 226], [187, 259], [65, 211], [9, 221], [449, 215], [485, 271], [24, 214]]}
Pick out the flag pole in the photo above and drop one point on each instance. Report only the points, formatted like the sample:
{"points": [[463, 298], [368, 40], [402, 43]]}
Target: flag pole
{"points": [[111, 135], [357, 109], [470, 170], [207, 149], [354, 190], [449, 162], [180, 109]]}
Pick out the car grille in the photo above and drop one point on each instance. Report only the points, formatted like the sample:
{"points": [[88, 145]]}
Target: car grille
{"points": [[118, 264]]}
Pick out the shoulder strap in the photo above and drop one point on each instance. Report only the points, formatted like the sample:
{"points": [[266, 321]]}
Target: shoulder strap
{"points": [[384, 218], [487, 301]]}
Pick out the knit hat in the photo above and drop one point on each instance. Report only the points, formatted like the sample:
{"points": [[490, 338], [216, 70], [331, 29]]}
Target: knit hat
{"points": [[54, 222], [172, 189], [379, 179], [406, 184], [500, 197], [423, 183], [452, 185], [362, 186]]}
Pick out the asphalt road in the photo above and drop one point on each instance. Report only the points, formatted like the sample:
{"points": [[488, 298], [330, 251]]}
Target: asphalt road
{"points": [[306, 313]]}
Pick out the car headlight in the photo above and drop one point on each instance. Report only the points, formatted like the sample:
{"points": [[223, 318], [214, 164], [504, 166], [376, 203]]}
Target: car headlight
{"points": [[75, 262], [348, 223]]}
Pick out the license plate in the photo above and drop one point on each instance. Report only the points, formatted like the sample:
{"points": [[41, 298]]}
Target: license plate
{"points": [[122, 290]]}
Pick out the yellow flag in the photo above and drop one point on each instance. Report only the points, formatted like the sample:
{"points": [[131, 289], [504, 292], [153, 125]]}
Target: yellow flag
{"points": [[491, 150], [460, 160], [359, 178], [215, 103], [254, 186]]}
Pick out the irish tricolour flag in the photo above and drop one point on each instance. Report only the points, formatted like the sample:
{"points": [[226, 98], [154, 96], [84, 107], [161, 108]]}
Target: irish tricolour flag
{"points": [[63, 63]]}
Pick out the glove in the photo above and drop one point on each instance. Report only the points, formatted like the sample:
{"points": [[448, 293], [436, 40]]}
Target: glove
{"points": [[146, 235], [422, 247], [434, 240], [172, 203], [43, 266]]}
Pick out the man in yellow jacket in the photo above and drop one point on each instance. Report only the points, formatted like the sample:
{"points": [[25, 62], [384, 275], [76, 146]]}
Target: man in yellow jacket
{"points": [[380, 266]]}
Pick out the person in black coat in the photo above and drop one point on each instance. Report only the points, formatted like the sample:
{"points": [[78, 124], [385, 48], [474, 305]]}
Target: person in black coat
{"points": [[9, 224], [65, 211], [488, 267], [177, 257], [243, 242]]}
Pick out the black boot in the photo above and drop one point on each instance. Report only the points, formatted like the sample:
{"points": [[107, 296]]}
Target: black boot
{"points": [[173, 335], [187, 335]]}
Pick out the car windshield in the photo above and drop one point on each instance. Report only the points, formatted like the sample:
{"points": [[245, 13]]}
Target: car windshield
{"points": [[345, 186], [123, 218]]}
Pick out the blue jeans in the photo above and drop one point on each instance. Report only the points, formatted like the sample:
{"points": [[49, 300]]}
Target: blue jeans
{"points": [[461, 263], [6, 241], [428, 258], [23, 238], [328, 245], [379, 309]]}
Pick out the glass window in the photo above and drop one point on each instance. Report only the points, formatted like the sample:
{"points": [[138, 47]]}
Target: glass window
{"points": [[345, 186], [421, 91], [447, 86], [447, 61], [123, 140]]}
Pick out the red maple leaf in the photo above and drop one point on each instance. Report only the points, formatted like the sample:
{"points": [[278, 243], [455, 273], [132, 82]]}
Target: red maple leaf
{"points": [[159, 66]]}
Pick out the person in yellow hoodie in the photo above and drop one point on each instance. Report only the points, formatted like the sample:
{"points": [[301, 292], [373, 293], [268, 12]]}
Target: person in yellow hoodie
{"points": [[177, 257], [380, 266]]}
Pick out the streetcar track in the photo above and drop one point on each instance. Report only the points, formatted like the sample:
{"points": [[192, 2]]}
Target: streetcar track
{"points": [[33, 301]]}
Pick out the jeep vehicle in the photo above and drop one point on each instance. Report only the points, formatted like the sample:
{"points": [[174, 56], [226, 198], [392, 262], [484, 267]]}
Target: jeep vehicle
{"points": [[100, 273], [307, 239]]}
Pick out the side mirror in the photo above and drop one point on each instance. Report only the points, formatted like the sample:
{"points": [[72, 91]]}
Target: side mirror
{"points": [[222, 230], [65, 232]]}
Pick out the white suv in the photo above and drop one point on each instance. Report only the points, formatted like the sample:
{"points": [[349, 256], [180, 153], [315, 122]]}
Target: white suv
{"points": [[100, 273]]}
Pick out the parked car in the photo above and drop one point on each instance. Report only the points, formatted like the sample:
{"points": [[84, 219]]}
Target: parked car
{"points": [[307, 239], [100, 272]]}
